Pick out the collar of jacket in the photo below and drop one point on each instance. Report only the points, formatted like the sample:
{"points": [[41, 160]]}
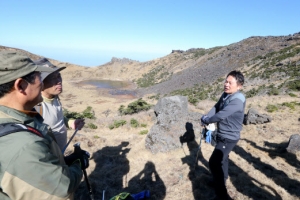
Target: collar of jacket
{"points": [[45, 99], [15, 116]]}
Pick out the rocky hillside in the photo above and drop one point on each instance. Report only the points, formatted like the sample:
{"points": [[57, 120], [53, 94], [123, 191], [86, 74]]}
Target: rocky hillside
{"points": [[255, 54], [269, 63]]}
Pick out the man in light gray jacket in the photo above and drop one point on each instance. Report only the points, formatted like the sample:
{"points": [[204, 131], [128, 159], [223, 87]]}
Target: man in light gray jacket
{"points": [[228, 113], [51, 108]]}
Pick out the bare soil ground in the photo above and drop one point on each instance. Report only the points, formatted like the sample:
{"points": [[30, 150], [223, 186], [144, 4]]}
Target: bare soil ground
{"points": [[259, 168]]}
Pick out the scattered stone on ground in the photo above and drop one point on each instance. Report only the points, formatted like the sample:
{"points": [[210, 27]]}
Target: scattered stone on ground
{"points": [[254, 117]]}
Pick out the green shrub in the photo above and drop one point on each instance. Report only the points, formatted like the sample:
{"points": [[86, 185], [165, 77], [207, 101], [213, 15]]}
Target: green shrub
{"points": [[220, 80], [144, 125], [143, 132], [193, 100], [203, 95], [122, 110], [87, 113], [253, 75], [92, 126], [157, 96], [251, 93], [271, 108], [134, 107], [292, 95], [134, 123], [294, 85], [199, 53], [196, 93], [111, 126], [152, 76], [96, 136], [291, 105], [72, 115], [214, 98], [273, 91], [118, 123]]}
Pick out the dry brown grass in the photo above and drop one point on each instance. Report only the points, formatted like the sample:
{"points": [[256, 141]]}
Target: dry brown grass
{"points": [[259, 166]]}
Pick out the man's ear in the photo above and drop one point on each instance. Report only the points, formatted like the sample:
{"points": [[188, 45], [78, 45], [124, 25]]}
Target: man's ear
{"points": [[20, 85]]}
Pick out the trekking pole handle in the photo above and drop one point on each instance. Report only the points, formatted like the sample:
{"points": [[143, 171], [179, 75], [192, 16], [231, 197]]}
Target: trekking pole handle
{"points": [[77, 149]]}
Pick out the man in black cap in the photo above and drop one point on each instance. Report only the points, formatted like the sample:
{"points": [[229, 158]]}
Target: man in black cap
{"points": [[51, 109], [31, 163]]}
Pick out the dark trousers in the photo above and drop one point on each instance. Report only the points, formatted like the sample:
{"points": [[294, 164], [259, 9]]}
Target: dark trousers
{"points": [[218, 164]]}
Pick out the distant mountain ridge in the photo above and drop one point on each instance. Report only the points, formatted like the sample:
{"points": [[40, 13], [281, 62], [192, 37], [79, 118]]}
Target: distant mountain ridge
{"points": [[30, 55]]}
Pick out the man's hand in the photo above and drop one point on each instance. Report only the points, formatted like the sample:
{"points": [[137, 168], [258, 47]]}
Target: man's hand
{"points": [[78, 124], [82, 157], [85, 159], [204, 120]]}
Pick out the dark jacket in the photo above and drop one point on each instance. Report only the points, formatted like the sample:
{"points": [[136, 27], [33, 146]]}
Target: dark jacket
{"points": [[228, 113]]}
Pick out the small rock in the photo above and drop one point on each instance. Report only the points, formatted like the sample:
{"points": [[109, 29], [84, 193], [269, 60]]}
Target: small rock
{"points": [[294, 144]]}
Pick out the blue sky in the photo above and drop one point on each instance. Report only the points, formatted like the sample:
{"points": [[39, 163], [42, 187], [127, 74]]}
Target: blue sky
{"points": [[90, 33]]}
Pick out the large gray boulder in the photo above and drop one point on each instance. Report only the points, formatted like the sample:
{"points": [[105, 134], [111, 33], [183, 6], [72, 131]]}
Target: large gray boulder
{"points": [[294, 144], [254, 117], [172, 121]]}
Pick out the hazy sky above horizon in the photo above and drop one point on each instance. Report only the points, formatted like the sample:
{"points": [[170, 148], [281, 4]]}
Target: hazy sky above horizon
{"points": [[90, 33]]}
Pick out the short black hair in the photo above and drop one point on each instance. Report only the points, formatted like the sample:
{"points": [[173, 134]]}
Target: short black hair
{"points": [[238, 76], [8, 87]]}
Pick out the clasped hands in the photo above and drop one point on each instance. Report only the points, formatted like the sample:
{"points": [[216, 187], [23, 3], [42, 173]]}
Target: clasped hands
{"points": [[204, 120]]}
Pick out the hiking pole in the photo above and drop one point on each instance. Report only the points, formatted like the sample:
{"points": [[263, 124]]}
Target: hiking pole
{"points": [[77, 149], [201, 136], [64, 149]]}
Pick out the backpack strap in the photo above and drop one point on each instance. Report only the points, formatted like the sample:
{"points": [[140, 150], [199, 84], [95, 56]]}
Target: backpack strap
{"points": [[39, 109], [8, 128]]}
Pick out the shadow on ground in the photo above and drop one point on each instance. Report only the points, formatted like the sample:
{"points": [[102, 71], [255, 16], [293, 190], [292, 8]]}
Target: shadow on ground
{"points": [[279, 177], [110, 174], [201, 178]]}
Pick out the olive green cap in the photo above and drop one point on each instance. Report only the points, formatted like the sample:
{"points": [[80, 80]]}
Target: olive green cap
{"points": [[14, 66]]}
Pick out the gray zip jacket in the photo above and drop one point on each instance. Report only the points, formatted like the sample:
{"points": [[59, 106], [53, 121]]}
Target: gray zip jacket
{"points": [[228, 113]]}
